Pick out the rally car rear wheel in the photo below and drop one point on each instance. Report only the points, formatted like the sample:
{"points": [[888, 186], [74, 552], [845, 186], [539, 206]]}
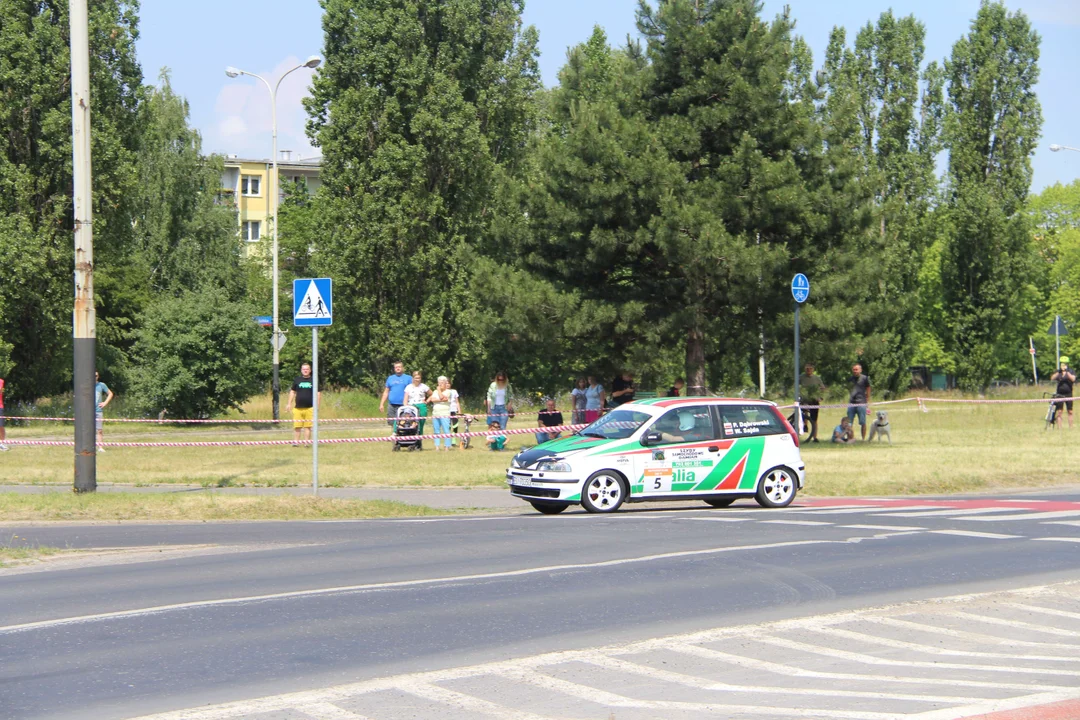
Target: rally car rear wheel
{"points": [[604, 492], [777, 488]]}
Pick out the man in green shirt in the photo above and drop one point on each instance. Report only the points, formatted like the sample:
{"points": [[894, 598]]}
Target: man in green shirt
{"points": [[811, 390]]}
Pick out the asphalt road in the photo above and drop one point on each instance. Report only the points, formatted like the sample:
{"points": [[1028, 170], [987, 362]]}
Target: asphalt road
{"points": [[260, 609]]}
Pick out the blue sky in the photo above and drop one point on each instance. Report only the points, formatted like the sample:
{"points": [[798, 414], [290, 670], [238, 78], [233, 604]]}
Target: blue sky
{"points": [[197, 39]]}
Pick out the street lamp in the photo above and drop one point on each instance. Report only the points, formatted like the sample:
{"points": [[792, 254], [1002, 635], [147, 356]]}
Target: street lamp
{"points": [[1059, 148], [312, 62]]}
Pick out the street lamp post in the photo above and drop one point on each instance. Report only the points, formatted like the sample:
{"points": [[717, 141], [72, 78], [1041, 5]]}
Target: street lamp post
{"points": [[312, 62], [1059, 148]]}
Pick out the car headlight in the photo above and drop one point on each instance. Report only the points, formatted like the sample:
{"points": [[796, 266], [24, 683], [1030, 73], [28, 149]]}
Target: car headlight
{"points": [[554, 466], [515, 463]]}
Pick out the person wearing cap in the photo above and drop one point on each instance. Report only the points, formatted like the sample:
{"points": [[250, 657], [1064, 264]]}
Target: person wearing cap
{"points": [[1064, 377]]}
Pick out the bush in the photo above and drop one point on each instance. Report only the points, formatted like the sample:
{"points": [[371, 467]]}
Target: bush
{"points": [[197, 355]]}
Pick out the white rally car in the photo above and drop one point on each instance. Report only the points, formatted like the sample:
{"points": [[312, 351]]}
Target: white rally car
{"points": [[711, 449]]}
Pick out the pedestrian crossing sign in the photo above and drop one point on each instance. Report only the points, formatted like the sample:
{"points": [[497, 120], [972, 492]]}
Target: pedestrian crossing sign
{"points": [[313, 302]]}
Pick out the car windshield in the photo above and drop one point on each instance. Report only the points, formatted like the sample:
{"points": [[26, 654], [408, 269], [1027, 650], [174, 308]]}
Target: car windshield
{"points": [[617, 425]]}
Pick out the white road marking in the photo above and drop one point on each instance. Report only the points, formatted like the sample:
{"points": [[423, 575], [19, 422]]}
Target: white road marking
{"points": [[1072, 523], [1059, 539], [871, 660], [973, 534], [329, 711], [851, 510], [934, 650], [372, 587], [791, 671], [882, 527], [716, 519], [795, 522], [1045, 610], [465, 702], [1025, 516], [1016, 624], [965, 634], [704, 684], [604, 697], [953, 513], [990, 706]]}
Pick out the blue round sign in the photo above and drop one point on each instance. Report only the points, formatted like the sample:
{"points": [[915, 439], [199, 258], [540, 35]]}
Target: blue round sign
{"points": [[800, 288]]}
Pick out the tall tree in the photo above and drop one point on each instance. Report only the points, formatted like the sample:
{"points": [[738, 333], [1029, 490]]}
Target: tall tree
{"points": [[992, 125], [35, 173], [417, 106]]}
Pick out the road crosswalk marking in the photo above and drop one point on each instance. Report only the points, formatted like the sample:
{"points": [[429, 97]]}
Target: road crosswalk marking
{"points": [[856, 672], [972, 533]]}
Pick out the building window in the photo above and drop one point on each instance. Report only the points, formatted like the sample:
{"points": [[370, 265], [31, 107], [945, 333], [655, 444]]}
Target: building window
{"points": [[250, 185], [250, 230]]}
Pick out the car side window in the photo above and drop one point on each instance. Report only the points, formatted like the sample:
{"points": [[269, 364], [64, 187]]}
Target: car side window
{"points": [[685, 424], [738, 421]]}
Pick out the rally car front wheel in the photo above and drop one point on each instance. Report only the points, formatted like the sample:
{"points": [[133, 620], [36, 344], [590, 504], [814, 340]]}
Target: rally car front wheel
{"points": [[604, 492], [776, 489]]}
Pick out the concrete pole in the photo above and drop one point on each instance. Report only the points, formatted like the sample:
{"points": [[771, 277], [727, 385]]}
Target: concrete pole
{"points": [[84, 333]]}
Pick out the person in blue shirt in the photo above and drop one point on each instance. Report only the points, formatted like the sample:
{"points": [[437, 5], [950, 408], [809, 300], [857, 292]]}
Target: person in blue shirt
{"points": [[495, 442], [394, 392], [102, 397]]}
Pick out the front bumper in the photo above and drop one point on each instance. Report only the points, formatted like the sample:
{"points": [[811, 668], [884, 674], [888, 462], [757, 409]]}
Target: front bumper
{"points": [[533, 485]]}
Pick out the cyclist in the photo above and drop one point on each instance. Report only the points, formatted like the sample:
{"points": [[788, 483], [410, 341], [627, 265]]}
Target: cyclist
{"points": [[1064, 377]]}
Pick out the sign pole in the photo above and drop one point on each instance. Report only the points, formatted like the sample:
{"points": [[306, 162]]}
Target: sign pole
{"points": [[1057, 338], [315, 412], [798, 408]]}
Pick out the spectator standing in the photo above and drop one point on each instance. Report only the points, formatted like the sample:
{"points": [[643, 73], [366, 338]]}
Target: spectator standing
{"points": [[549, 417], [859, 397], [102, 397], [622, 389], [676, 388], [594, 400], [1065, 378], [455, 413], [3, 432], [416, 394], [579, 400], [499, 402], [440, 412], [843, 434], [811, 390], [302, 402], [394, 392], [495, 442]]}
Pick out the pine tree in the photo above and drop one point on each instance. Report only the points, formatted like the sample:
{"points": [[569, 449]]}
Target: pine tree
{"points": [[992, 125], [418, 105]]}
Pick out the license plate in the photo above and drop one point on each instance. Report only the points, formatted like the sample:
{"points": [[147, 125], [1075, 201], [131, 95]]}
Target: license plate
{"points": [[521, 482]]}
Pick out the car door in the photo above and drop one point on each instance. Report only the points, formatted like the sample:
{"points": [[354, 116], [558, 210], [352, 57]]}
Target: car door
{"points": [[746, 429], [681, 458]]}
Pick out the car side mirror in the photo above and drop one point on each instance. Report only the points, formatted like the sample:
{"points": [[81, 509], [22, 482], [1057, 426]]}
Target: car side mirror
{"points": [[652, 438]]}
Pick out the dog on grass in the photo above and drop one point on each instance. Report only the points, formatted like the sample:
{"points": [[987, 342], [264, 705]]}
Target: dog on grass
{"points": [[880, 427]]}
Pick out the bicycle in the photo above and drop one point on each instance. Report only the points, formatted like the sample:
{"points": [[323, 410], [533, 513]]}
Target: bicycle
{"points": [[1052, 411]]}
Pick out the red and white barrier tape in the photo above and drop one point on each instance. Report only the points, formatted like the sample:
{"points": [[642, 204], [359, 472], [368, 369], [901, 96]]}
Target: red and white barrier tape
{"points": [[253, 421], [322, 441]]}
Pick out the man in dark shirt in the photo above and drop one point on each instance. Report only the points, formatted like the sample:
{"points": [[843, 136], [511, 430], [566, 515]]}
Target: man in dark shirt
{"points": [[1064, 377], [811, 390], [676, 388], [549, 417], [301, 397], [622, 389], [859, 398]]}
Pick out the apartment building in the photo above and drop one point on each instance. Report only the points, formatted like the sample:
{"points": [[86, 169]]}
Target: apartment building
{"points": [[249, 184]]}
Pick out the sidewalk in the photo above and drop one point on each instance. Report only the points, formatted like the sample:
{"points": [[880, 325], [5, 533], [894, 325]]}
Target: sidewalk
{"points": [[441, 498]]}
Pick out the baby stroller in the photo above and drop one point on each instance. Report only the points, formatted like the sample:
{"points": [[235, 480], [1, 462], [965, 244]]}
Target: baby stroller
{"points": [[407, 429]]}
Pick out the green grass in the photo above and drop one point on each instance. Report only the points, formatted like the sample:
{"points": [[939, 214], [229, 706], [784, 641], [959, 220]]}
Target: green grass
{"points": [[17, 507], [21, 555]]}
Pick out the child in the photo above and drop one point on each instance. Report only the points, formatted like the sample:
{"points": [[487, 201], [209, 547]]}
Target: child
{"points": [[843, 434], [496, 442]]}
